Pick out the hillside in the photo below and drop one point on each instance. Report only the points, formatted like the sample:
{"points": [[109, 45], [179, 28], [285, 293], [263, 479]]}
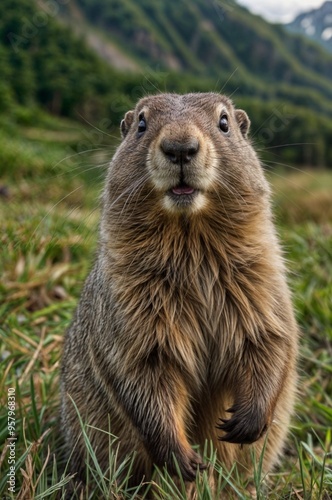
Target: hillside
{"points": [[44, 63], [208, 38], [283, 83], [315, 24]]}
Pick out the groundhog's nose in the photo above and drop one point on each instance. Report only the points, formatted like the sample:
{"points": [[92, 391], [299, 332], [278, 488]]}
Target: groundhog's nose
{"points": [[179, 151]]}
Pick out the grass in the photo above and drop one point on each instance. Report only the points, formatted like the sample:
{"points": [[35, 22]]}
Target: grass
{"points": [[49, 209]]}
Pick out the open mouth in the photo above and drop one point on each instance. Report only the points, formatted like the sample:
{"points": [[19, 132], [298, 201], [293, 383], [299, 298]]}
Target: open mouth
{"points": [[182, 190], [183, 193]]}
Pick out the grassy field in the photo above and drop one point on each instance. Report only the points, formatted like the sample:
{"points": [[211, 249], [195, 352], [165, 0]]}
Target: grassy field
{"points": [[49, 191]]}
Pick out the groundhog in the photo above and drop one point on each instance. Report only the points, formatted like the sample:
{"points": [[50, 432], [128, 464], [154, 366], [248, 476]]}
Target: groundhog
{"points": [[184, 331]]}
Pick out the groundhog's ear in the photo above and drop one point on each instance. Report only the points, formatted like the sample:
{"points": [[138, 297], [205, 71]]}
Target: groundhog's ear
{"points": [[126, 123], [243, 121]]}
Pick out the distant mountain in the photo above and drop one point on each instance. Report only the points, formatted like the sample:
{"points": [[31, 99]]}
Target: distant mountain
{"points": [[92, 60], [315, 24], [219, 40]]}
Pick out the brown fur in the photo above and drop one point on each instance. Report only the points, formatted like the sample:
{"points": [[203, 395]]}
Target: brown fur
{"points": [[186, 317]]}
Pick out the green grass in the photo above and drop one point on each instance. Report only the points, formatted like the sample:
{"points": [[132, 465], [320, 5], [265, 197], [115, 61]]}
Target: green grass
{"points": [[48, 233]]}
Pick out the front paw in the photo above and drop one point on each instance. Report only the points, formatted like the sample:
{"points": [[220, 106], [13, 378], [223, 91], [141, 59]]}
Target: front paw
{"points": [[189, 463], [245, 426]]}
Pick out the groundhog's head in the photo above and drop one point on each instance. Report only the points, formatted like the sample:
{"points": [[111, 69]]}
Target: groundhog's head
{"points": [[187, 152]]}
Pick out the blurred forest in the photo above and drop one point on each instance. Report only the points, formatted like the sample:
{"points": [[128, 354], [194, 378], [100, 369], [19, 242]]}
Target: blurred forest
{"points": [[60, 56]]}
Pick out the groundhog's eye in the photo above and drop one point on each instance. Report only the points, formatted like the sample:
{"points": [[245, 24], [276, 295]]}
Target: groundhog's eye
{"points": [[141, 124], [223, 124]]}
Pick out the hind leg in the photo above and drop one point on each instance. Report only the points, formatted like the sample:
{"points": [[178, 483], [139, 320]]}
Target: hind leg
{"points": [[113, 439]]}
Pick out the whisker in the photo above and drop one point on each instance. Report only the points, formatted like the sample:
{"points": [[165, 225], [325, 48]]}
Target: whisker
{"points": [[96, 128], [228, 79], [234, 92], [291, 167], [75, 154], [262, 124], [291, 144], [129, 189], [51, 209]]}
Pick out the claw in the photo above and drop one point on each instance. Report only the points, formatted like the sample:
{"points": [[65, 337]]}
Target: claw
{"points": [[227, 425], [263, 431], [243, 427]]}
